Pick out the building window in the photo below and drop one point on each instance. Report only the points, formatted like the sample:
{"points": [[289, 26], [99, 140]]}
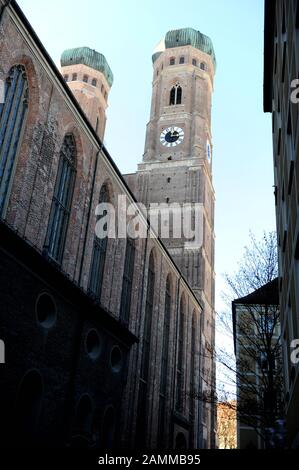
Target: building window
{"points": [[175, 95], [164, 360], [99, 253], [12, 120], [84, 416], [46, 311], [182, 60], [180, 364], [62, 199], [94, 82], [157, 73], [145, 356], [75, 77], [85, 78], [28, 408], [126, 294], [108, 429], [192, 365], [194, 62], [66, 78], [105, 95], [172, 61], [102, 89], [203, 66]]}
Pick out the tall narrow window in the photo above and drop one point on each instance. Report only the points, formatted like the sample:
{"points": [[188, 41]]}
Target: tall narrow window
{"points": [[178, 95], [180, 363], [144, 372], [85, 78], [164, 360], [99, 253], [175, 95], [192, 365], [62, 199], [172, 61], [12, 119], [126, 294], [182, 60]]}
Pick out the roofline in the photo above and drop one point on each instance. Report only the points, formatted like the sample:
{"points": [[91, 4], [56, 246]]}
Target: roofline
{"points": [[14, 5], [269, 27]]}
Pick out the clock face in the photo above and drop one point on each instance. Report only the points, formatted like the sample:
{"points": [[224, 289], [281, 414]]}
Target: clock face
{"points": [[172, 136]]}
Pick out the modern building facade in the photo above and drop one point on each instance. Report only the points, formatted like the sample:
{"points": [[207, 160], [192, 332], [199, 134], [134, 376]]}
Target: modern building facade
{"points": [[104, 337], [281, 67], [177, 170], [256, 325]]}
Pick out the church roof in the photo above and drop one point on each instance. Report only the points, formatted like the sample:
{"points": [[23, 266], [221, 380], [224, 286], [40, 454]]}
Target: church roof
{"points": [[89, 57], [186, 37]]}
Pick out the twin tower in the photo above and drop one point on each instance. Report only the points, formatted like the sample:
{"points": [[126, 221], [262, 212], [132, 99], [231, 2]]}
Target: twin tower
{"points": [[178, 155]]}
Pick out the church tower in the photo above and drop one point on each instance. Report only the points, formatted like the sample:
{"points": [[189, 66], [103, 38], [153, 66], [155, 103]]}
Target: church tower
{"points": [[178, 156], [177, 168], [90, 78]]}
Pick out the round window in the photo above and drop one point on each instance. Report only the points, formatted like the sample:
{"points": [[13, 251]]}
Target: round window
{"points": [[46, 312], [93, 344], [116, 359]]}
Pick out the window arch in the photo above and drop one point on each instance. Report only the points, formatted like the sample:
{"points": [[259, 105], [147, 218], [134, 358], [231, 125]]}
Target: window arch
{"points": [[164, 359], [175, 95], [99, 253], [192, 365], [108, 430], [28, 407], [126, 294], [203, 66], [62, 199], [94, 82], [172, 61], [180, 360], [12, 119], [84, 415], [145, 357]]}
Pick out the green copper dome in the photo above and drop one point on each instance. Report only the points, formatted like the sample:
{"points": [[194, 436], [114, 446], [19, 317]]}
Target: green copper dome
{"points": [[89, 57], [187, 37]]}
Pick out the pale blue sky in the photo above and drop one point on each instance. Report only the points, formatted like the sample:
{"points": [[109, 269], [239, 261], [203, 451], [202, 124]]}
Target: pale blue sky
{"points": [[126, 32]]}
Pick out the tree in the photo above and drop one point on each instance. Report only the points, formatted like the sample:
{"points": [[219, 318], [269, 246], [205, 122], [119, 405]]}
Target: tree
{"points": [[254, 375]]}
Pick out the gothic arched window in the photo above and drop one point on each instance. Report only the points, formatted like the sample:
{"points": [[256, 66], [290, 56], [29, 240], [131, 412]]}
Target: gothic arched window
{"points": [[180, 363], [192, 365], [126, 294], [175, 95], [203, 66], [12, 118], [99, 253], [145, 357], [62, 199], [164, 359]]}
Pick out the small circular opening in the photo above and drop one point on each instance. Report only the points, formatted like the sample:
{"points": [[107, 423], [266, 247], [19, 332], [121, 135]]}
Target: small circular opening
{"points": [[93, 344], [46, 311], [116, 359]]}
